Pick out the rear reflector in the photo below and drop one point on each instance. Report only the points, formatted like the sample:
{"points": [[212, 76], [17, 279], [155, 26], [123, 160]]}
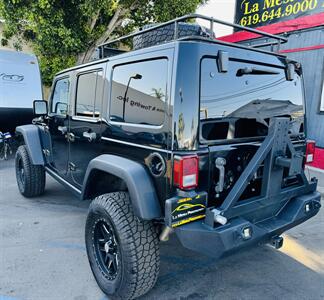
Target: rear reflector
{"points": [[185, 171], [310, 151]]}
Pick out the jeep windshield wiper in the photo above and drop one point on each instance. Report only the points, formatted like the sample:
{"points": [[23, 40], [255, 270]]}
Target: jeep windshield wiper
{"points": [[254, 71]]}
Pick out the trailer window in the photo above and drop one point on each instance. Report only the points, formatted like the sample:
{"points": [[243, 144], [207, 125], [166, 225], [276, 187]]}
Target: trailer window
{"points": [[139, 92]]}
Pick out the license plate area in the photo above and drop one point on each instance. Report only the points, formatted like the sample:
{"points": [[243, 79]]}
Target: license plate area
{"points": [[183, 210]]}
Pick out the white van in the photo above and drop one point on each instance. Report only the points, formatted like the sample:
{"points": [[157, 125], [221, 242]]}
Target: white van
{"points": [[20, 84]]}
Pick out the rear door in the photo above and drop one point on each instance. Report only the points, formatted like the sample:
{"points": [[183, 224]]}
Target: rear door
{"points": [[236, 109], [85, 123]]}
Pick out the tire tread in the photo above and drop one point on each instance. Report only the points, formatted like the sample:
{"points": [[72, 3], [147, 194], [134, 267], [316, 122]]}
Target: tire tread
{"points": [[140, 244], [34, 175]]}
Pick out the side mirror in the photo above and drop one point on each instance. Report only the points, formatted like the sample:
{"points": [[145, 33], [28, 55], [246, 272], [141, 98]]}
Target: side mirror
{"points": [[40, 108], [61, 109]]}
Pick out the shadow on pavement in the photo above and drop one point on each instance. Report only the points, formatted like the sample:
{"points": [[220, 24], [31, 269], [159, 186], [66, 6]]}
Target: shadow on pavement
{"points": [[44, 257]]}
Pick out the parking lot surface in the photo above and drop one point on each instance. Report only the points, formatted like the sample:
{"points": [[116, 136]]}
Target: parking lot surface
{"points": [[42, 256]]}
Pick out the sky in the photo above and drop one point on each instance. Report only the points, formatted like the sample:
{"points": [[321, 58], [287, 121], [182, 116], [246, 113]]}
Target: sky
{"points": [[219, 9]]}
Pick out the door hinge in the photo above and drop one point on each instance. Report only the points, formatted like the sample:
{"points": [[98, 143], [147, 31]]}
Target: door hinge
{"points": [[72, 166], [46, 152]]}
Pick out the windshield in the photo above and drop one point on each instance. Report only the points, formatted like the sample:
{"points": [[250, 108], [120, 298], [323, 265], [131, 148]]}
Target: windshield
{"points": [[240, 102]]}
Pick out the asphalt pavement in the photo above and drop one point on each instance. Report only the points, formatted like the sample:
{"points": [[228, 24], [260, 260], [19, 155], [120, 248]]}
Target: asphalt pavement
{"points": [[42, 256]]}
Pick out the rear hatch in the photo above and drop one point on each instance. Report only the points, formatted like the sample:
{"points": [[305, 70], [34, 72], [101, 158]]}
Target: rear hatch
{"points": [[237, 107]]}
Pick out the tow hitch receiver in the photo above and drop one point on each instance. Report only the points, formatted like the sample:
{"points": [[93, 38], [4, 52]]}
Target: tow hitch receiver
{"points": [[277, 242]]}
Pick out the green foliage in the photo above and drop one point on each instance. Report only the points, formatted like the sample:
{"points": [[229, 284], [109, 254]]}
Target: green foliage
{"points": [[62, 33], [167, 10]]}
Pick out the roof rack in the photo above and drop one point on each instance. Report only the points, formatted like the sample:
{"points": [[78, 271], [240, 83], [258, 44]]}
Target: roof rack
{"points": [[109, 45]]}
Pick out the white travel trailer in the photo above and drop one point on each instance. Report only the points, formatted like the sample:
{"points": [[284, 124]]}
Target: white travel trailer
{"points": [[20, 84]]}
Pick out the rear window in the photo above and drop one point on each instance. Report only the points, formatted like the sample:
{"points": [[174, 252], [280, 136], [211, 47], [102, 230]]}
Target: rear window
{"points": [[240, 102]]}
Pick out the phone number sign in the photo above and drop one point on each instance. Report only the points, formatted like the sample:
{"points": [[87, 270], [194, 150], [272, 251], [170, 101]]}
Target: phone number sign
{"points": [[256, 13]]}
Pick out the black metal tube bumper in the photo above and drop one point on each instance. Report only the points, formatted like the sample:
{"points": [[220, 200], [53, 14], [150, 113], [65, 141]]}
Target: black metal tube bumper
{"points": [[223, 240]]}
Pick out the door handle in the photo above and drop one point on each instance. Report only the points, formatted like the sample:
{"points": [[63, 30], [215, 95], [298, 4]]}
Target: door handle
{"points": [[91, 136], [70, 137], [63, 129]]}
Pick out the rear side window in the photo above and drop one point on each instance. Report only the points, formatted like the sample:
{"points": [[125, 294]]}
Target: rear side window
{"points": [[88, 96], [139, 92], [60, 96]]}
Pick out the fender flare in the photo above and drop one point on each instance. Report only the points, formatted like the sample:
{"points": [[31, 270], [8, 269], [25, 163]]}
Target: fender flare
{"points": [[32, 141], [139, 184]]}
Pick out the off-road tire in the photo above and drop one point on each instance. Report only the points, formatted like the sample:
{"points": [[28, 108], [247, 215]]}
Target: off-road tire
{"points": [[166, 33], [137, 242], [32, 182]]}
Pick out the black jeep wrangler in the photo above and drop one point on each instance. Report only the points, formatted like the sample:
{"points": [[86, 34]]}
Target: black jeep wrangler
{"points": [[186, 133]]}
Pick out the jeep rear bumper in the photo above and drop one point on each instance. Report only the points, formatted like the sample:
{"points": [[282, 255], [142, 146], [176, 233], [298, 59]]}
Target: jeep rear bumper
{"points": [[223, 240]]}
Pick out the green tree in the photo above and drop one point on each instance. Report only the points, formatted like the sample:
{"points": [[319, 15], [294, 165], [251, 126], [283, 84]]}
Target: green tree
{"points": [[63, 33]]}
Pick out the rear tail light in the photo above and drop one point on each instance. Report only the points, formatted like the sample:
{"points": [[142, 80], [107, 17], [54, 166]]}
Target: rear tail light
{"points": [[310, 151], [185, 171]]}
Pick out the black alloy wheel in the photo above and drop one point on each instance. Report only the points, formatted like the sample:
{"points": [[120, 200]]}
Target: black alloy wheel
{"points": [[20, 172], [106, 248]]}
